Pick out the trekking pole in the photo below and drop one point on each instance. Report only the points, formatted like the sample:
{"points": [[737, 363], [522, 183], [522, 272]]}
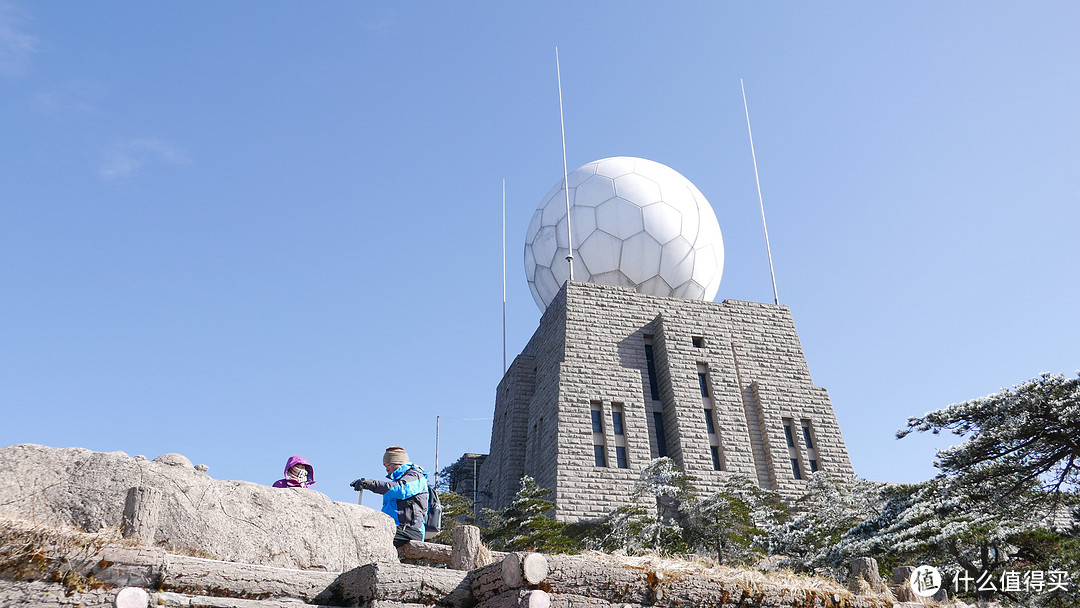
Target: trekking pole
{"points": [[360, 497]]}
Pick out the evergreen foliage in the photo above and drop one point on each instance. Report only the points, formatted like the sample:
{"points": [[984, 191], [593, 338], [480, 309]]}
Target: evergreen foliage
{"points": [[1026, 435], [731, 520], [457, 511], [526, 523], [723, 524], [831, 506]]}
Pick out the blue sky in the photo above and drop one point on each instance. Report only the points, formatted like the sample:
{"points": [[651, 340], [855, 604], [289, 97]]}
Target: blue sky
{"points": [[242, 231]]}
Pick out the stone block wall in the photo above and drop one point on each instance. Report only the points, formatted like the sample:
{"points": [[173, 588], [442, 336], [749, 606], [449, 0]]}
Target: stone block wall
{"points": [[589, 351]]}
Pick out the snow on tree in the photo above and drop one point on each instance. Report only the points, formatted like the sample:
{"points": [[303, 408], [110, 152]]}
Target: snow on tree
{"points": [[1026, 435], [728, 521], [652, 519], [832, 505]]}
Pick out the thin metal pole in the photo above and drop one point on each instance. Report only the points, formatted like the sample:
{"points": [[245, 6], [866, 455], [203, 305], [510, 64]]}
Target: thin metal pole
{"points": [[761, 202], [436, 451], [566, 175], [504, 269]]}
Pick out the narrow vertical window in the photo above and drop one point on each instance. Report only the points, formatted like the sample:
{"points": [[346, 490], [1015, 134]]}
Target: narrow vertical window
{"points": [[809, 444], [618, 429], [788, 435], [598, 439], [661, 443], [795, 468], [650, 368], [716, 449]]}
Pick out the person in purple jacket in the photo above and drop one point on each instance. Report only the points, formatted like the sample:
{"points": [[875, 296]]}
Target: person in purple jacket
{"points": [[298, 474]]}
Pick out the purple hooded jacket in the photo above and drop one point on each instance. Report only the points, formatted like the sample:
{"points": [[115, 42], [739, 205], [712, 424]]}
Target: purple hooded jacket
{"points": [[289, 482]]}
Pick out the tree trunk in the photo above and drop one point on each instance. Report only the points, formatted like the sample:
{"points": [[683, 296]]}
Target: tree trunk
{"points": [[405, 583], [523, 569], [466, 549], [140, 519]]}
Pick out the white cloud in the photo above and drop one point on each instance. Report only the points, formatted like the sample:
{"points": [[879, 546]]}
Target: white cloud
{"points": [[16, 46], [124, 159]]}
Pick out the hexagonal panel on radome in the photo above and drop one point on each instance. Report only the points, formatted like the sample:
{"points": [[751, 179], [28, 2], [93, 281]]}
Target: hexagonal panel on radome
{"points": [[601, 253], [680, 197], [656, 286], [545, 283], [637, 188], [544, 245], [581, 174], [690, 291], [613, 278], [554, 210], [530, 263], [677, 261], [561, 269], [594, 191], [640, 258], [616, 166], [619, 217], [534, 224], [584, 224], [704, 265], [662, 221]]}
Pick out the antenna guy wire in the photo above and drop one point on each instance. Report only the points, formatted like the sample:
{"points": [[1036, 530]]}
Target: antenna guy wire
{"points": [[566, 175], [761, 202], [504, 269]]}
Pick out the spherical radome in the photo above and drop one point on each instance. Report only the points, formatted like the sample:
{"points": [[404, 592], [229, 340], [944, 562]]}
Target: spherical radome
{"points": [[636, 223]]}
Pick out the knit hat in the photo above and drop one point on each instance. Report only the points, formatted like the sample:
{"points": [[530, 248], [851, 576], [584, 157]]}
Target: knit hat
{"points": [[395, 455]]}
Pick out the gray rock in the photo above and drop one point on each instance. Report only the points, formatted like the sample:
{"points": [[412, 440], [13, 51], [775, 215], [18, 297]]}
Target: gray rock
{"points": [[865, 576], [902, 574], [173, 460], [228, 520]]}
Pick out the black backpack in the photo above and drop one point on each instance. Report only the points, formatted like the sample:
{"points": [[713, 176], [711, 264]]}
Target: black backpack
{"points": [[433, 522]]}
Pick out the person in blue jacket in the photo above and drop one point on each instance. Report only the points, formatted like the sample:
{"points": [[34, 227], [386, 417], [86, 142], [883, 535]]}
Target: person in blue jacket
{"points": [[405, 495]]}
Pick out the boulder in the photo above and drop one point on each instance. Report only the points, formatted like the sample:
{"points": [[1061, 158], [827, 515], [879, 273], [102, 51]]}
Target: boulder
{"points": [[195, 514], [865, 577]]}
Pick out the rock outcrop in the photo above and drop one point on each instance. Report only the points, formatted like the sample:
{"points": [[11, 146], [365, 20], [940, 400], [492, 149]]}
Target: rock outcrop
{"points": [[191, 513]]}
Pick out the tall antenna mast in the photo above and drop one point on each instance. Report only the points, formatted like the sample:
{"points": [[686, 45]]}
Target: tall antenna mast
{"points": [[504, 269], [566, 175], [776, 298]]}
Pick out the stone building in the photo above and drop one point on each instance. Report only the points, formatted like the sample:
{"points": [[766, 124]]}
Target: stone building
{"points": [[613, 378]]}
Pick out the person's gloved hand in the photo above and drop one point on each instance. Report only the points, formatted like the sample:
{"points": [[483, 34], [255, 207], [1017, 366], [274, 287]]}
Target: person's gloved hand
{"points": [[358, 485]]}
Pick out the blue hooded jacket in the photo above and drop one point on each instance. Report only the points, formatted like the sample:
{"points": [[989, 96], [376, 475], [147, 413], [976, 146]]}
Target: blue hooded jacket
{"points": [[405, 495]]}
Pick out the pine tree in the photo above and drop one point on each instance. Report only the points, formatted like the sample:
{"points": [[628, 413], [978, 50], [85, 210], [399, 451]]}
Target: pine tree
{"points": [[1026, 435], [526, 523], [832, 505], [729, 521]]}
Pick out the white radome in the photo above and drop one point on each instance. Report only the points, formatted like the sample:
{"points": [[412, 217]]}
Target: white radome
{"points": [[636, 223]]}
